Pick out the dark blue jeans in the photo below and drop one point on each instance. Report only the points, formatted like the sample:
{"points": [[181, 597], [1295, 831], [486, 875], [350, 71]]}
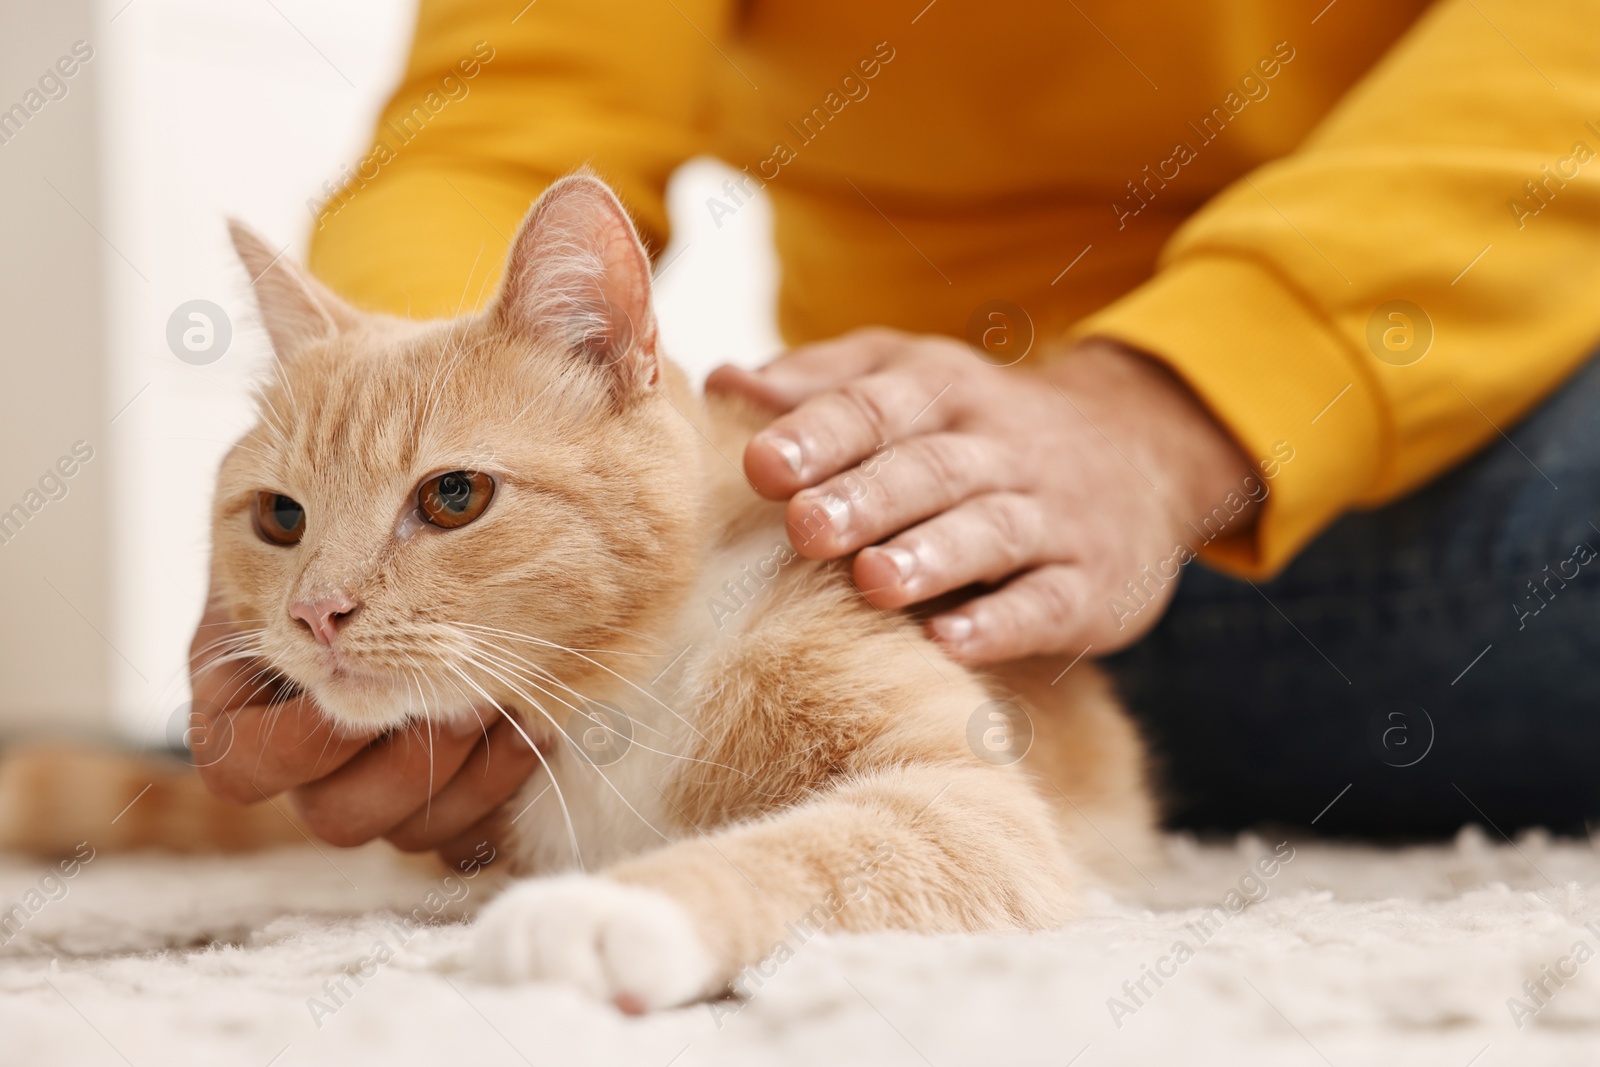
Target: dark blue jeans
{"points": [[1440, 657]]}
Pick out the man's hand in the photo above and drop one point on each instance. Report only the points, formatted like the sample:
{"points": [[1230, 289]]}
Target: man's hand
{"points": [[944, 471], [437, 789]]}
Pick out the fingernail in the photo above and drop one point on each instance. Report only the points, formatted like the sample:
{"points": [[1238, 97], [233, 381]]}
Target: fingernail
{"points": [[952, 629], [837, 510], [790, 451], [904, 560]]}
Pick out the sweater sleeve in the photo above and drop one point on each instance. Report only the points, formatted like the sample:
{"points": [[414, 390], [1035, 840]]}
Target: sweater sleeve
{"points": [[1414, 277], [494, 105]]}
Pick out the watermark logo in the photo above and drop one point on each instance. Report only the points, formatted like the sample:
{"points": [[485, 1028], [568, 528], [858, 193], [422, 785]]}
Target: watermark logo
{"points": [[337, 992], [852, 887], [199, 332], [1253, 87], [1001, 332], [51, 887], [52, 485], [599, 733], [1399, 333], [1402, 736], [999, 732], [198, 733], [403, 122], [1541, 591], [52, 85], [1253, 887], [853, 87], [1553, 977]]}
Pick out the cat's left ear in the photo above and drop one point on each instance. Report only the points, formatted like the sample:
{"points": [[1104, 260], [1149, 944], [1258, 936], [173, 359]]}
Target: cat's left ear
{"points": [[296, 309], [578, 277]]}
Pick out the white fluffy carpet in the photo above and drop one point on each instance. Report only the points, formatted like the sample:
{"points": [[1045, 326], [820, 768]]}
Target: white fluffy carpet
{"points": [[1351, 956]]}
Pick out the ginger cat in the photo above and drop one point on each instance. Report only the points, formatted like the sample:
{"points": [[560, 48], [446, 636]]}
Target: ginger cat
{"points": [[527, 511]]}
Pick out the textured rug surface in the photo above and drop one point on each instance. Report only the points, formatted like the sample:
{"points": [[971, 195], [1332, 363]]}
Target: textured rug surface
{"points": [[1341, 955]]}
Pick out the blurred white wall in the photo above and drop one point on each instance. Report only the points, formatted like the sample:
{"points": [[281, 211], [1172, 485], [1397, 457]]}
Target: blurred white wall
{"points": [[55, 584], [209, 108]]}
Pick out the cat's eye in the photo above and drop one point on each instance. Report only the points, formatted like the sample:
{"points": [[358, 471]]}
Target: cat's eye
{"points": [[454, 498], [279, 519]]}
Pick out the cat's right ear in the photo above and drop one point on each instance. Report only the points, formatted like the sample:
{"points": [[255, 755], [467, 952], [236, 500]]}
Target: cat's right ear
{"points": [[578, 278], [296, 309]]}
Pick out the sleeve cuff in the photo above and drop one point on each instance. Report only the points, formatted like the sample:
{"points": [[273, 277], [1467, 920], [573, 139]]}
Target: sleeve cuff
{"points": [[1280, 379]]}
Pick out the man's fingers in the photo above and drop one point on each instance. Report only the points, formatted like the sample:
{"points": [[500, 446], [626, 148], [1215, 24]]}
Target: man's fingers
{"points": [[492, 773], [1042, 610], [748, 384], [263, 749], [896, 487], [986, 539], [803, 372], [383, 785], [840, 428], [480, 843]]}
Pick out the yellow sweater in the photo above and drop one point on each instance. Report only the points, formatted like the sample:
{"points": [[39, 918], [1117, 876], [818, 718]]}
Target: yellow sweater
{"points": [[1239, 187]]}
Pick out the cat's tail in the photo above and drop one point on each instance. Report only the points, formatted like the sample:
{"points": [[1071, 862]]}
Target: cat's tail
{"points": [[55, 798]]}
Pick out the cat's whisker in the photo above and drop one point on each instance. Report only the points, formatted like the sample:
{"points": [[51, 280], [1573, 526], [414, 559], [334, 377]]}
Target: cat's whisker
{"points": [[566, 813], [484, 646], [260, 679], [272, 419], [597, 768], [262, 672], [566, 648], [326, 741], [505, 655], [228, 641], [473, 641], [426, 733], [239, 661], [588, 715], [236, 661], [232, 642], [504, 664], [268, 456], [443, 373], [242, 642], [498, 657], [415, 674], [283, 380], [529, 698], [563, 648], [269, 723]]}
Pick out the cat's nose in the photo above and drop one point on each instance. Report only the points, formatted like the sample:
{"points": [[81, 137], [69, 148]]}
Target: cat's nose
{"points": [[325, 615]]}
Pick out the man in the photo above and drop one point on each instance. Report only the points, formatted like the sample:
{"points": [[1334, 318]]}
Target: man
{"points": [[1266, 265]]}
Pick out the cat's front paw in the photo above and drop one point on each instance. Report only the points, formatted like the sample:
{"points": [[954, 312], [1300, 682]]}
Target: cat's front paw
{"points": [[633, 946]]}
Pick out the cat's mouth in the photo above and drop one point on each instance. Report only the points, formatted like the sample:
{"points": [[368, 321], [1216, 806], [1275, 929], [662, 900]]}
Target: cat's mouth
{"points": [[334, 667], [347, 673], [356, 695], [367, 698]]}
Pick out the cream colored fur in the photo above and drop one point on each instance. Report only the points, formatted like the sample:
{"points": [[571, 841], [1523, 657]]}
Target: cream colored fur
{"points": [[794, 756]]}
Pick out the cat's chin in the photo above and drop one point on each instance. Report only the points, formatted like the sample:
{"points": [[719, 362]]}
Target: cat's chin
{"points": [[363, 703], [368, 703]]}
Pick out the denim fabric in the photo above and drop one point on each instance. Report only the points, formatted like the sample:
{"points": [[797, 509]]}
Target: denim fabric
{"points": [[1364, 663]]}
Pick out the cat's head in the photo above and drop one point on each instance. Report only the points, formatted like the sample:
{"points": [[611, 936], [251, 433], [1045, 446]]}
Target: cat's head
{"points": [[428, 515]]}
